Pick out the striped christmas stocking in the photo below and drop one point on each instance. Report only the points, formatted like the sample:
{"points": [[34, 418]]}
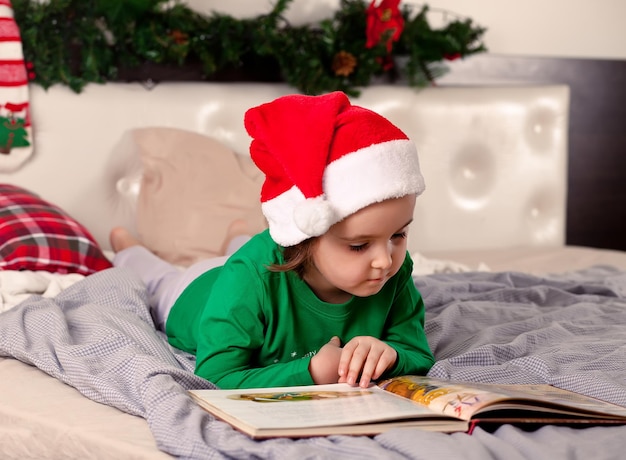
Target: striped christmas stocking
{"points": [[15, 130]]}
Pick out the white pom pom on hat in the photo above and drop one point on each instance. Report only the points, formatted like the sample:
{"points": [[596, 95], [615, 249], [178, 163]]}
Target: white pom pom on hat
{"points": [[324, 159], [314, 215]]}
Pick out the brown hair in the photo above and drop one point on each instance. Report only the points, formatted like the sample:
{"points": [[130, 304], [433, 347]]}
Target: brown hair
{"points": [[297, 258]]}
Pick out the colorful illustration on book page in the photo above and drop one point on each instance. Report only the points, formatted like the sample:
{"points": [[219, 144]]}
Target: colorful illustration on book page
{"points": [[443, 398], [461, 402], [294, 396], [420, 392]]}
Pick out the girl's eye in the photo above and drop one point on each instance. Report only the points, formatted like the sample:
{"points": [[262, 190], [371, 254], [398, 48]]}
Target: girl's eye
{"points": [[401, 235], [358, 247]]}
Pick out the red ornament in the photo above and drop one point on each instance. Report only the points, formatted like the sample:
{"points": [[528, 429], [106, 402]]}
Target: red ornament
{"points": [[452, 56], [382, 19], [386, 62]]}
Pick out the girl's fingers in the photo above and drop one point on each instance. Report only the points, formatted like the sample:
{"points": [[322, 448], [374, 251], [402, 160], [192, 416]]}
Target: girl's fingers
{"points": [[363, 359], [370, 367]]}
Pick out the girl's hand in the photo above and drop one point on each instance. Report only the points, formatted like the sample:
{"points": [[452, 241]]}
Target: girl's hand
{"points": [[365, 356], [323, 366]]}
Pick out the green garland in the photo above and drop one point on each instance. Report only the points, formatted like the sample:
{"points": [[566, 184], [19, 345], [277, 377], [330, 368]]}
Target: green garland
{"points": [[76, 42]]}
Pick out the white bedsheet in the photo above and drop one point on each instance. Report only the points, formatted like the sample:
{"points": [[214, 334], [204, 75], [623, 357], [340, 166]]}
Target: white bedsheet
{"points": [[43, 418], [533, 260], [16, 286]]}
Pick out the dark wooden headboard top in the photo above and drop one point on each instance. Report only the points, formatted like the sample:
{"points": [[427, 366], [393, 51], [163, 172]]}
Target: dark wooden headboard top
{"points": [[596, 203]]}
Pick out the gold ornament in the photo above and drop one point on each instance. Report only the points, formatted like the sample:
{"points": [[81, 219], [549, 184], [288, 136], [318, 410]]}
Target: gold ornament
{"points": [[343, 63]]}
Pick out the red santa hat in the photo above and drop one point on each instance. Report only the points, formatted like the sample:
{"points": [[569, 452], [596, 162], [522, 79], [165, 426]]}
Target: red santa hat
{"points": [[325, 159]]}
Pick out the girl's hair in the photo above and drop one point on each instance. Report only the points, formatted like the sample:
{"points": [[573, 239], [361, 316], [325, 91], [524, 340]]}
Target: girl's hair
{"points": [[297, 258]]}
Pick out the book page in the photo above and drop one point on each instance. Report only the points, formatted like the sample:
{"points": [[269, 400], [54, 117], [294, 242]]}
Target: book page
{"points": [[311, 406], [454, 400], [463, 400], [553, 395]]}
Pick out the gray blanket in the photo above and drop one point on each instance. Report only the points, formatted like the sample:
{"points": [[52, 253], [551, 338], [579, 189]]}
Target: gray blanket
{"points": [[568, 330]]}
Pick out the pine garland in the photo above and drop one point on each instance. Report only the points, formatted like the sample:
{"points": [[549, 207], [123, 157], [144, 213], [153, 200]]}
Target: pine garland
{"points": [[76, 42]]}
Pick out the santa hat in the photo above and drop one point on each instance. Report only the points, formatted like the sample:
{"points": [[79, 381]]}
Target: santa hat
{"points": [[324, 159]]}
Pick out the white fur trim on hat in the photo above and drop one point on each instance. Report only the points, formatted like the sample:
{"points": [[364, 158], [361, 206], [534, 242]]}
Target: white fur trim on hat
{"points": [[279, 214], [352, 182], [373, 174]]}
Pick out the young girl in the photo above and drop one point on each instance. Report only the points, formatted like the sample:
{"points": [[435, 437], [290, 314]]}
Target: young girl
{"points": [[325, 294]]}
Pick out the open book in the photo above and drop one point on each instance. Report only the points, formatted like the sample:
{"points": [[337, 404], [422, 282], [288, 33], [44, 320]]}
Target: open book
{"points": [[408, 401]]}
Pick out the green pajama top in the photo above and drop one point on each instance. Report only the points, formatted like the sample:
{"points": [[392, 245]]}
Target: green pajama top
{"points": [[250, 327]]}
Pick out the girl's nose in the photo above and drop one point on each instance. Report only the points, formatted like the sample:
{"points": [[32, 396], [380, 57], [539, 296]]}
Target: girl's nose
{"points": [[382, 257]]}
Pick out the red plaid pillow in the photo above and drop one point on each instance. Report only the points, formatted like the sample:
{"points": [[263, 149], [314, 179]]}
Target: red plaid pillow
{"points": [[36, 235]]}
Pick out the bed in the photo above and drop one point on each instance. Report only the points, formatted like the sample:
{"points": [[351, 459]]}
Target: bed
{"points": [[84, 374]]}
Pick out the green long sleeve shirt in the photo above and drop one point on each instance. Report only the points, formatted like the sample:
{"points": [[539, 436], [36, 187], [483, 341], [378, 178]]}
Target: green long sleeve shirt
{"points": [[250, 327]]}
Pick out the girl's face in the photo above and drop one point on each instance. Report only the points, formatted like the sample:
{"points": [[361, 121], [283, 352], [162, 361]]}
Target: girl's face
{"points": [[358, 255]]}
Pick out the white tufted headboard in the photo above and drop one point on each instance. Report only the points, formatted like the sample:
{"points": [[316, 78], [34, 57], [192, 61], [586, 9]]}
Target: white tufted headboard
{"points": [[494, 158]]}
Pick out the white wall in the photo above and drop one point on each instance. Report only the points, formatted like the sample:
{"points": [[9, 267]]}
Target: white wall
{"points": [[566, 28], [569, 28]]}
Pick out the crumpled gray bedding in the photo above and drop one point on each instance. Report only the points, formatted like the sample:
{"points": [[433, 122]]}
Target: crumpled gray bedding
{"points": [[567, 330]]}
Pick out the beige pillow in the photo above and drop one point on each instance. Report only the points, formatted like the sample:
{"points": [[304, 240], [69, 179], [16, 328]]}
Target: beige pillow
{"points": [[195, 194]]}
